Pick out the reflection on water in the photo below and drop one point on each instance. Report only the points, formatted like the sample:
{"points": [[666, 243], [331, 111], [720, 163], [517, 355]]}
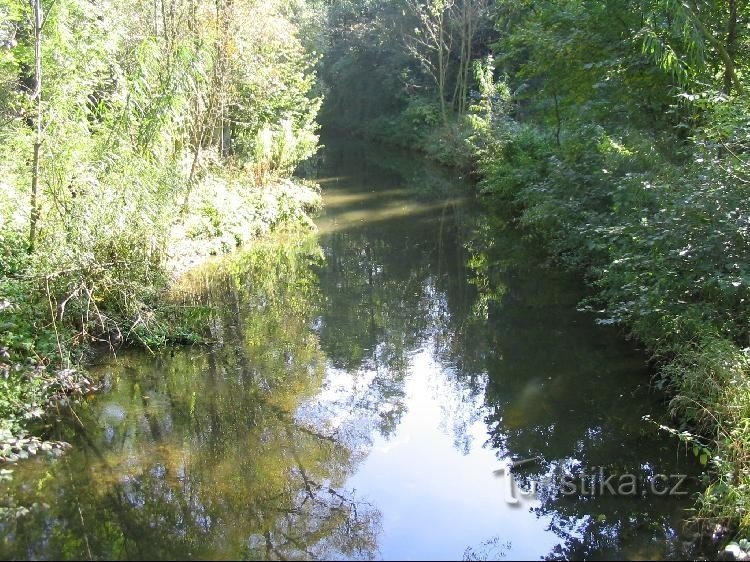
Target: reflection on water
{"points": [[199, 453], [362, 389]]}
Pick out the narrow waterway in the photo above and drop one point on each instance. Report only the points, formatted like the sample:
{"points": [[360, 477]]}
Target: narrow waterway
{"points": [[364, 395]]}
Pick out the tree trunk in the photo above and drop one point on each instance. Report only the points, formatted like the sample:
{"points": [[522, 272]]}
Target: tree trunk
{"points": [[213, 114], [718, 45], [34, 214], [442, 67], [730, 46], [455, 100], [467, 57], [464, 55]]}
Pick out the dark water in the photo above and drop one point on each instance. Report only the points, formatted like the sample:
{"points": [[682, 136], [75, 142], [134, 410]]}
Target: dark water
{"points": [[363, 389]]}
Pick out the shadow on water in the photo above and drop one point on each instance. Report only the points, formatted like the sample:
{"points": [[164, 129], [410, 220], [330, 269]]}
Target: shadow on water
{"points": [[199, 453], [363, 389]]}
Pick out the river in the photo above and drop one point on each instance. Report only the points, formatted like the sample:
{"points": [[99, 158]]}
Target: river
{"points": [[364, 395]]}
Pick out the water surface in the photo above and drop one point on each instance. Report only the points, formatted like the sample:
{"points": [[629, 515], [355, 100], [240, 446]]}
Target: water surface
{"points": [[363, 388]]}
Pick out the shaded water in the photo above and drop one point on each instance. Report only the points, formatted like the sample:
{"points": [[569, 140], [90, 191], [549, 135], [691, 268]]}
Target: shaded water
{"points": [[363, 389]]}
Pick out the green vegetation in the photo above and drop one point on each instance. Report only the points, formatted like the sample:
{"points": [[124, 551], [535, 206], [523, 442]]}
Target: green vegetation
{"points": [[635, 172], [618, 132], [136, 139], [207, 465]]}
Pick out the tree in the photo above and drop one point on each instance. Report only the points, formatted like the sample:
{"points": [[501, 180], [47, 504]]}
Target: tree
{"points": [[470, 15], [683, 36], [36, 96], [431, 42]]}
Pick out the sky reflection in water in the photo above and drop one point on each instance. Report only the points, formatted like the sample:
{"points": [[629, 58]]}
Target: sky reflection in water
{"points": [[362, 390]]}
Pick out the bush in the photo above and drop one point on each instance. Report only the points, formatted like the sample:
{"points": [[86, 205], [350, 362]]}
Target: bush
{"points": [[665, 241]]}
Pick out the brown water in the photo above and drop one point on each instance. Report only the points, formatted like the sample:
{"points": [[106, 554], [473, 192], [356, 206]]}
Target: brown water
{"points": [[364, 387]]}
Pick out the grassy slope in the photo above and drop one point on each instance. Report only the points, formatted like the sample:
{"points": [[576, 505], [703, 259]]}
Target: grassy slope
{"points": [[224, 214]]}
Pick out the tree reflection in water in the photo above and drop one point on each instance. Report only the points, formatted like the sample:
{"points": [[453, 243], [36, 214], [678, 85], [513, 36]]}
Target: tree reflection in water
{"points": [[248, 448], [200, 454], [512, 350]]}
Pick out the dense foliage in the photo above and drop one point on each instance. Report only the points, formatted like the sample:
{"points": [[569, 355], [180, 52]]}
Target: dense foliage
{"points": [[130, 131], [624, 149], [618, 132]]}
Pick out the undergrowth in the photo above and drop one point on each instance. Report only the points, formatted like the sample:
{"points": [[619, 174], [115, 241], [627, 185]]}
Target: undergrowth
{"points": [[65, 300]]}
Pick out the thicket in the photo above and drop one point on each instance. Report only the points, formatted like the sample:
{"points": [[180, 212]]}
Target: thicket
{"points": [[635, 172], [133, 136], [619, 132]]}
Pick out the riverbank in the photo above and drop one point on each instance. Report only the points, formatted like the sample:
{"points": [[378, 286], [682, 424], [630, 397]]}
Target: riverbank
{"points": [[135, 141], [340, 365], [419, 128], [664, 259], [50, 320]]}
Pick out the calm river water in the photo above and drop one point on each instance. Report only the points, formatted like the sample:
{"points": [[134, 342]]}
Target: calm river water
{"points": [[366, 391]]}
